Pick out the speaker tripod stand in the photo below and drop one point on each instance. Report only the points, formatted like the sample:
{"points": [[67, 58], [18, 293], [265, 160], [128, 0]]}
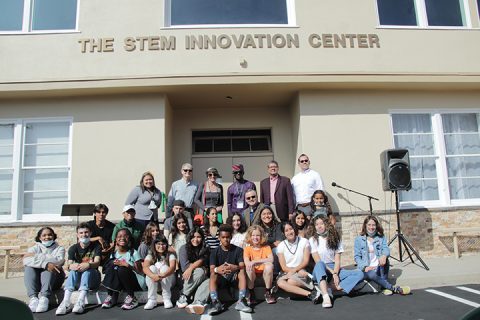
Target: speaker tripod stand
{"points": [[402, 240]]}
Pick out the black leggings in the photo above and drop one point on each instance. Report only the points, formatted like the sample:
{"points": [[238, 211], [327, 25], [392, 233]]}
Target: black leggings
{"points": [[120, 278]]}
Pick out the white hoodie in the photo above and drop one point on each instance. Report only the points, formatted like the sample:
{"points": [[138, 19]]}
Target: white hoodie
{"points": [[43, 255]]}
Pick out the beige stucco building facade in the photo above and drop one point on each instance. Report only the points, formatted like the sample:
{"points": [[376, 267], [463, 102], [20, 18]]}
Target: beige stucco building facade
{"points": [[134, 88]]}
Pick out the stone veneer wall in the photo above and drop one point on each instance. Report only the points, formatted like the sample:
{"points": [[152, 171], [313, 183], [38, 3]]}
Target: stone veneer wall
{"points": [[422, 228]]}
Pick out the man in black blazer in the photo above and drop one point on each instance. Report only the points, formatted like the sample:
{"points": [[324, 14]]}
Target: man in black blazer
{"points": [[283, 201]]}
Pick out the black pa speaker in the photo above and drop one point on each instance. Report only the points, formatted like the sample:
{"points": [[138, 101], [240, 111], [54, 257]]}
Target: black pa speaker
{"points": [[395, 165]]}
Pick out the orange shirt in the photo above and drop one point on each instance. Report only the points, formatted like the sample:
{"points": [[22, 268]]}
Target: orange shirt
{"points": [[257, 254]]}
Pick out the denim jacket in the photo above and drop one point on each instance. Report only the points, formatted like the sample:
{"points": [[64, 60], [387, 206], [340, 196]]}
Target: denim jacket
{"points": [[361, 255]]}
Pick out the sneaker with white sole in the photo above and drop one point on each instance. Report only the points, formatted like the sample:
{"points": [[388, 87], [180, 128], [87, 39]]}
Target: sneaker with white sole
{"points": [[151, 303], [402, 290], [79, 307], [63, 308], [42, 304], [109, 302], [33, 304], [242, 305], [167, 303], [130, 303], [215, 307], [197, 307], [182, 302], [387, 292], [326, 303]]}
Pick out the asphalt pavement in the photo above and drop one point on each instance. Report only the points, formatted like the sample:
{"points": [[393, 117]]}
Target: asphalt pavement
{"points": [[429, 300]]}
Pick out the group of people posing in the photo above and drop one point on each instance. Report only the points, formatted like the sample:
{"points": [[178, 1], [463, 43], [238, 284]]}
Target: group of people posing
{"points": [[285, 239]]}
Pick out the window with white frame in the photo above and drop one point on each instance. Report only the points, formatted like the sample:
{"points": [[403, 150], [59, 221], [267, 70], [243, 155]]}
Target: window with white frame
{"points": [[38, 15], [232, 12], [423, 13], [34, 168], [444, 153]]}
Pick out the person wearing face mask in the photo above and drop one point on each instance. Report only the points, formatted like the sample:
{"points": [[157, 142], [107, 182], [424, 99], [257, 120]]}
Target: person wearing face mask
{"points": [[83, 261], [43, 269], [371, 254]]}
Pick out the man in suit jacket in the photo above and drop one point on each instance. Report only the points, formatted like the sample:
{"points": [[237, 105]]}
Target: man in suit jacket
{"points": [[276, 191]]}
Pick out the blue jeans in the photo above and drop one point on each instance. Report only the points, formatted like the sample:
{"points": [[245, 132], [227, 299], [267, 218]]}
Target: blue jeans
{"points": [[379, 276], [348, 278], [86, 280]]}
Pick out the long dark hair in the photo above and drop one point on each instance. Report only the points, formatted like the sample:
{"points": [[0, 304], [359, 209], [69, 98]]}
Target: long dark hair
{"points": [[325, 202], [294, 220], [333, 237], [147, 234], [159, 256], [379, 226], [243, 225], [206, 221], [260, 221], [195, 253], [174, 230]]}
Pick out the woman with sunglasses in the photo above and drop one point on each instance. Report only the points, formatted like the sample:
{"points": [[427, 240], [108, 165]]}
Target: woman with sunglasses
{"points": [[210, 194]]}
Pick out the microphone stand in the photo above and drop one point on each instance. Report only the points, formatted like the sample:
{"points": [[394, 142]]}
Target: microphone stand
{"points": [[362, 194]]}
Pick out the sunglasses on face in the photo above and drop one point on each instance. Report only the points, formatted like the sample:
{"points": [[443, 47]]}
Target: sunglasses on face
{"points": [[304, 161], [237, 172], [187, 170], [251, 198], [212, 175]]}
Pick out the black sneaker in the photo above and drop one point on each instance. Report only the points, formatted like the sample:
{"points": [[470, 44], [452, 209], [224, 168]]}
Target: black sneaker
{"points": [[314, 295], [215, 307]]}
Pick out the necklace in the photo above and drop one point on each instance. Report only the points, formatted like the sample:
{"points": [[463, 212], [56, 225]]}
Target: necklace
{"points": [[290, 247]]}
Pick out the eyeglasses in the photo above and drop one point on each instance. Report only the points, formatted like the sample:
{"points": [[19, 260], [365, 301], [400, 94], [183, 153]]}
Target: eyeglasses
{"points": [[187, 170], [212, 175], [237, 172], [304, 161], [251, 198]]}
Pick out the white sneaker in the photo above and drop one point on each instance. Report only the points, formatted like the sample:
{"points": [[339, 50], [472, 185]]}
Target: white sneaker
{"points": [[150, 304], [63, 308], [79, 307], [327, 303], [33, 304], [42, 304], [167, 303]]}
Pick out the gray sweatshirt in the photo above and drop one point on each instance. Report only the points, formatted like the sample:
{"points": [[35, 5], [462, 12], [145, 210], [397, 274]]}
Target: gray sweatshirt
{"points": [[43, 255]]}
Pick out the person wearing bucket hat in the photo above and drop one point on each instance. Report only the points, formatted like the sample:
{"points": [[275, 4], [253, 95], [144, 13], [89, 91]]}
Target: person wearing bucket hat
{"points": [[236, 192], [210, 194]]}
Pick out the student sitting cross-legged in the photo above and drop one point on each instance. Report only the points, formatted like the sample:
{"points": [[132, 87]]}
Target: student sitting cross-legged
{"points": [[227, 269], [83, 261], [294, 255]]}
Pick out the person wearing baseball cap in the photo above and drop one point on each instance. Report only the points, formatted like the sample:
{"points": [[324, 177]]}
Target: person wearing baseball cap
{"points": [[136, 228], [236, 192]]}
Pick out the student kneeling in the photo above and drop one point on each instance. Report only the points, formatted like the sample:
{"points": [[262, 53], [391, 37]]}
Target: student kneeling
{"points": [[83, 261]]}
